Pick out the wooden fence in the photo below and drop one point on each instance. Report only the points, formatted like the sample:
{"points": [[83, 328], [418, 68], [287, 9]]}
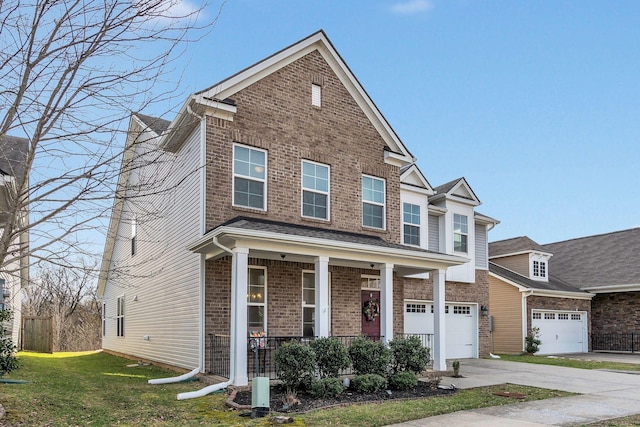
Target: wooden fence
{"points": [[37, 334]]}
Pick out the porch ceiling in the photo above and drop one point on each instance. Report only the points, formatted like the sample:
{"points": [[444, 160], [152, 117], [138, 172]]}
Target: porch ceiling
{"points": [[272, 240]]}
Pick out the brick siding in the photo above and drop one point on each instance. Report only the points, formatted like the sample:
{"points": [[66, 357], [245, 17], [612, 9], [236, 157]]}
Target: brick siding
{"points": [[616, 313]]}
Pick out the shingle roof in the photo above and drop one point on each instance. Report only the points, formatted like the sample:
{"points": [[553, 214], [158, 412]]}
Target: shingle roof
{"points": [[259, 224], [603, 260], [156, 124], [446, 187], [514, 245], [13, 154], [554, 283]]}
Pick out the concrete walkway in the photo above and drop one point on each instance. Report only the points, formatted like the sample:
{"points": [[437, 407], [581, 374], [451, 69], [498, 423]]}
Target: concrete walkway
{"points": [[603, 394]]}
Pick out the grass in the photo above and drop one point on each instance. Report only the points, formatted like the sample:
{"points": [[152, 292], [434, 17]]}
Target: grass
{"points": [[632, 421], [94, 388], [571, 363]]}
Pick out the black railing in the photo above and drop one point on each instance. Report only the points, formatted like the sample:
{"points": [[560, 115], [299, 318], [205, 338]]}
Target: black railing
{"points": [[616, 342], [219, 355]]}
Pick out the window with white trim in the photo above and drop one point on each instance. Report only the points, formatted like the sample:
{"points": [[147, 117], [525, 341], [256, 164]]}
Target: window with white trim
{"points": [[461, 309], [373, 202], [446, 309], [249, 177], [460, 233], [540, 269], [549, 316], [104, 319], [133, 235], [120, 316], [575, 316], [370, 282], [256, 300], [563, 316], [309, 303], [536, 316], [411, 224], [316, 95], [315, 190], [416, 308]]}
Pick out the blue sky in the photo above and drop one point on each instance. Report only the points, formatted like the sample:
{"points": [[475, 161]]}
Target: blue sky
{"points": [[536, 103]]}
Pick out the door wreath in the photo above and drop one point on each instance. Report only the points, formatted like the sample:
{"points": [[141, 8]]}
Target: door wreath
{"points": [[371, 310]]}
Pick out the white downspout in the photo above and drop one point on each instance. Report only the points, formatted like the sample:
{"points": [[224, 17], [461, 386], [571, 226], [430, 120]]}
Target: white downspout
{"points": [[232, 369]]}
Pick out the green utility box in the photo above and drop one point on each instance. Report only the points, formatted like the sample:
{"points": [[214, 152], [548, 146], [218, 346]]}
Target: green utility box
{"points": [[259, 397]]}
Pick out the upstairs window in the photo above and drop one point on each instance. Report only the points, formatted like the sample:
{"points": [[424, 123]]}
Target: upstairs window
{"points": [[411, 220], [249, 177], [315, 190], [460, 233], [540, 269], [373, 202]]}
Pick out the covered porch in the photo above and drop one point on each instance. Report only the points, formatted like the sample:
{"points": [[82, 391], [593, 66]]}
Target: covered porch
{"points": [[273, 270]]}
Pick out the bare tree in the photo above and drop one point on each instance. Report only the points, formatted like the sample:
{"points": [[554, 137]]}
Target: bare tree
{"points": [[68, 296], [71, 72]]}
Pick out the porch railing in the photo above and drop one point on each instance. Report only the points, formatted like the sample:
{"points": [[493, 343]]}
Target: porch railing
{"points": [[261, 350], [616, 342]]}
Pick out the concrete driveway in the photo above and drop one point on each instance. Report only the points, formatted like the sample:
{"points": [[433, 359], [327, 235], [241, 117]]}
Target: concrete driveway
{"points": [[603, 394]]}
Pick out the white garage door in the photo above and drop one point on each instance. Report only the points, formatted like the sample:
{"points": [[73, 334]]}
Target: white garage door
{"points": [[561, 331], [461, 326]]}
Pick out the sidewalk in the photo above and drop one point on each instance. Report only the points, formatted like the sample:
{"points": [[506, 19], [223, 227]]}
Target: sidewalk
{"points": [[603, 394]]}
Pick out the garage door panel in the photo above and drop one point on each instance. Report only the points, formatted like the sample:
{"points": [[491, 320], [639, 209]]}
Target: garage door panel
{"points": [[560, 332]]}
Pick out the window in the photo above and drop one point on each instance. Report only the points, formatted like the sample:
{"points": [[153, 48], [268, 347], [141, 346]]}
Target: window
{"points": [[563, 316], [446, 309], [315, 190], [461, 309], [249, 177], [460, 233], [540, 269], [549, 316], [316, 95], [133, 236], [416, 308], [308, 304], [120, 317], [536, 316], [370, 282], [373, 202], [104, 319], [256, 298], [411, 219]]}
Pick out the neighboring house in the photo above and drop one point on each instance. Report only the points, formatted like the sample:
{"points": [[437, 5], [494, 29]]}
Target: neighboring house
{"points": [[14, 273], [281, 202], [607, 265], [526, 292]]}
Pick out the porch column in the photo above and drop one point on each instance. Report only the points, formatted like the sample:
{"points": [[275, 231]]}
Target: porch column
{"points": [[239, 280], [386, 302], [439, 336], [322, 297]]}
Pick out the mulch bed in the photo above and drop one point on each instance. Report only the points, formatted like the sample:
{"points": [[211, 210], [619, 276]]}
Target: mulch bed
{"points": [[306, 402]]}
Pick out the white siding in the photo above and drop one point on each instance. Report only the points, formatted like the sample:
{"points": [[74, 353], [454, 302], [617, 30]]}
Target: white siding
{"points": [[482, 249], [14, 301], [434, 233], [161, 283]]}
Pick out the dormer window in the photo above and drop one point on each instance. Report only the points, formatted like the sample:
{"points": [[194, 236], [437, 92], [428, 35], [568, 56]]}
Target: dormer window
{"points": [[540, 269], [539, 266]]}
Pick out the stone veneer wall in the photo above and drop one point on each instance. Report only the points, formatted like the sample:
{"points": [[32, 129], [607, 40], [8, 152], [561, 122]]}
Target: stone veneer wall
{"points": [[551, 303], [615, 313]]}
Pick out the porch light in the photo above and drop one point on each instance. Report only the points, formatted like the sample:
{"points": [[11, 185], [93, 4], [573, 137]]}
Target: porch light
{"points": [[484, 310]]}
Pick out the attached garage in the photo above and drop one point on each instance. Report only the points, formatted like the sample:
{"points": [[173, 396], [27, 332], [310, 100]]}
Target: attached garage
{"points": [[461, 326], [561, 331]]}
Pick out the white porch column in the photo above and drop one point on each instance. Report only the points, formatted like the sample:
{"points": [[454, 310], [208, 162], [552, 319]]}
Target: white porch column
{"points": [[439, 336], [386, 302], [322, 297], [239, 280]]}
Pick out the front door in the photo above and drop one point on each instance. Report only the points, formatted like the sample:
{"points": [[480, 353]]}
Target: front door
{"points": [[370, 313]]}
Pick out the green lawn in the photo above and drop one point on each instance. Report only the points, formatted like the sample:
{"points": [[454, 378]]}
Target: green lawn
{"points": [[81, 389], [571, 363]]}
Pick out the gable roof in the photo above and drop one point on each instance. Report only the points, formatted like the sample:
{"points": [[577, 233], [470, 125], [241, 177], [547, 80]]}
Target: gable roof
{"points": [[555, 284], [514, 246], [216, 99], [13, 155], [458, 189], [156, 124], [604, 262], [412, 178]]}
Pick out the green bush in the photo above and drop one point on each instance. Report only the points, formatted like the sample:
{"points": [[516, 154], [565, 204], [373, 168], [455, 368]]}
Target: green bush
{"points": [[331, 356], [403, 380], [296, 364], [327, 387], [409, 355], [8, 360], [368, 383], [369, 357], [532, 341]]}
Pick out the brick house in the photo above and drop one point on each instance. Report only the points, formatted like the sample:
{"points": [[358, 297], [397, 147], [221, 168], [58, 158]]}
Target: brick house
{"points": [[280, 202]]}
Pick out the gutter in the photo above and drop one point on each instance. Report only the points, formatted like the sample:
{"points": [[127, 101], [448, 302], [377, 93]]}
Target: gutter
{"points": [[232, 369]]}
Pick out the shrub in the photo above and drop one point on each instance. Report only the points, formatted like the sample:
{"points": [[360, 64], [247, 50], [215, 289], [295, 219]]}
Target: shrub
{"points": [[296, 364], [532, 341], [8, 360], [327, 387], [368, 383], [409, 355], [403, 380], [369, 357], [331, 356]]}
